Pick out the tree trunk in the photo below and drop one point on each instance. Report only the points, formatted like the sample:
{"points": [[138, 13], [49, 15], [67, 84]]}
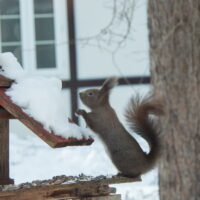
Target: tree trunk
{"points": [[174, 33]]}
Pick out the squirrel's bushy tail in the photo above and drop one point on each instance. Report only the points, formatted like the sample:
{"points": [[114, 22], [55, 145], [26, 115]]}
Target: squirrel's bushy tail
{"points": [[137, 115]]}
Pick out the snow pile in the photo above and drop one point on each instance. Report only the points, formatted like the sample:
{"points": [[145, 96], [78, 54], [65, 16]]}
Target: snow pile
{"points": [[11, 67], [40, 97]]}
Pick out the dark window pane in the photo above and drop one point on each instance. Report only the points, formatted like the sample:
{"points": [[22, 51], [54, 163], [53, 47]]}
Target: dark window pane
{"points": [[44, 28], [43, 6], [45, 56], [16, 50], [10, 30], [9, 7]]}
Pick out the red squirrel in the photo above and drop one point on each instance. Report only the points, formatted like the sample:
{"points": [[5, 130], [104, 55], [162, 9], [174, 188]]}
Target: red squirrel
{"points": [[124, 151]]}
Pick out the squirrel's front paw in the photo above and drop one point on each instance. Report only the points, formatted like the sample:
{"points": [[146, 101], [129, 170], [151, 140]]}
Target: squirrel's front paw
{"points": [[80, 112]]}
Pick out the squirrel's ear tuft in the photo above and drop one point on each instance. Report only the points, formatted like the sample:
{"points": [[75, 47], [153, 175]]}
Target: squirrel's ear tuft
{"points": [[109, 84]]}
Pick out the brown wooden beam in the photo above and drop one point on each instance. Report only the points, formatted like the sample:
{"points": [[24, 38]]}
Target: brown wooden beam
{"points": [[97, 82], [72, 57], [4, 114], [4, 153]]}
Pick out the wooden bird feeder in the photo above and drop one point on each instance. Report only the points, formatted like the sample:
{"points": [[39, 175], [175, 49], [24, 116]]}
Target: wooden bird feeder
{"points": [[57, 188], [9, 110]]}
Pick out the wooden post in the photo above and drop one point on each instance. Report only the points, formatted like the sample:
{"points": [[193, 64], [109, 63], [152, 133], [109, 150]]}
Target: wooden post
{"points": [[4, 153]]}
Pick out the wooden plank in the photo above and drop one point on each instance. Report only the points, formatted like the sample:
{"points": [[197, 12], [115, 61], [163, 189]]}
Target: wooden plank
{"points": [[4, 153], [52, 140], [72, 187], [58, 191]]}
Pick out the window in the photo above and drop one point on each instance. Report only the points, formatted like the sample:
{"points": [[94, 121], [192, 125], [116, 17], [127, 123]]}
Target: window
{"points": [[10, 27], [36, 32], [44, 34]]}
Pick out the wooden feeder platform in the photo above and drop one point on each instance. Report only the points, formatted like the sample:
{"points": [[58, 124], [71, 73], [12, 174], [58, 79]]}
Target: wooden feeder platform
{"points": [[66, 187], [9, 110]]}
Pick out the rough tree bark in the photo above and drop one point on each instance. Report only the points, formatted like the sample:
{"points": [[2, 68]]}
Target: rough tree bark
{"points": [[174, 32]]}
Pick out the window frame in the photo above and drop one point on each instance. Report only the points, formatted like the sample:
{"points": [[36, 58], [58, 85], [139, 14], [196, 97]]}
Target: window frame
{"points": [[29, 42]]}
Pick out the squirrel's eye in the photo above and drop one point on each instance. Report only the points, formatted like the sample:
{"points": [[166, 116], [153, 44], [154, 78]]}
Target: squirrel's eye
{"points": [[90, 93]]}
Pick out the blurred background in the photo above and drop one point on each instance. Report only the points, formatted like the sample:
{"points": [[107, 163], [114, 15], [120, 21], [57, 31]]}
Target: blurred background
{"points": [[82, 43]]}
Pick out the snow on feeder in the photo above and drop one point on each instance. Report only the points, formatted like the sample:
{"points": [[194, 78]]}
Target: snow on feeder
{"points": [[38, 103]]}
